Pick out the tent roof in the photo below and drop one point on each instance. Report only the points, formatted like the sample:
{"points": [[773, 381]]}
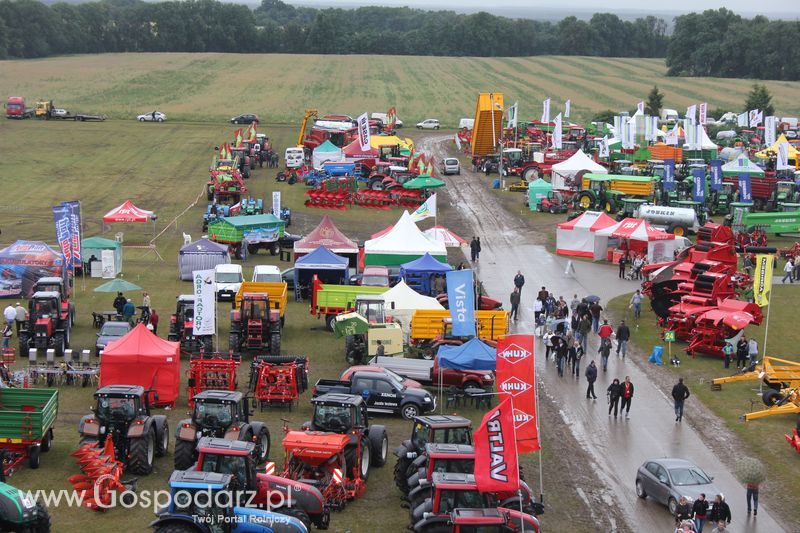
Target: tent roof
{"points": [[353, 150], [404, 297], [744, 165], [100, 243], [445, 236], [328, 147], [426, 263], [405, 237], [328, 235], [591, 220], [636, 229], [37, 251], [322, 258], [127, 212], [774, 148], [204, 246], [579, 161], [141, 342], [472, 355], [245, 221]]}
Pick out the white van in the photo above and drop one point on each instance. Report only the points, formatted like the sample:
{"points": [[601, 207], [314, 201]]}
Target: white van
{"points": [[384, 118], [267, 273], [294, 157], [227, 280], [466, 123]]}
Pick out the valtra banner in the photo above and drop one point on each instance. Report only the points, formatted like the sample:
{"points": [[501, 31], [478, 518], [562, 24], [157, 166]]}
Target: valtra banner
{"points": [[496, 466]]}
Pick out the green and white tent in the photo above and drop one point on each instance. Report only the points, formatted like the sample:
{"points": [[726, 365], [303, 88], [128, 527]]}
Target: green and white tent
{"points": [[405, 242], [742, 165], [326, 152]]}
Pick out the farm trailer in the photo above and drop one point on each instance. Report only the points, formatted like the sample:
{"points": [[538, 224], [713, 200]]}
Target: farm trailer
{"points": [[26, 425]]}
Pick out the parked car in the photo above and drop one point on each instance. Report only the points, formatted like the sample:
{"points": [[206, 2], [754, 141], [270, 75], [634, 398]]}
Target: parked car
{"points": [[429, 372], [247, 118], [375, 276], [288, 276], [428, 124], [227, 280], [451, 166], [153, 116], [406, 382], [666, 480], [267, 273], [59, 112], [109, 332], [384, 118]]}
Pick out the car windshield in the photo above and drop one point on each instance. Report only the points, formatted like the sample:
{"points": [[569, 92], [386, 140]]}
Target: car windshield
{"points": [[228, 277], [227, 464], [394, 375], [109, 408], [375, 281], [688, 476], [213, 414], [453, 436], [451, 161], [269, 278], [332, 417], [112, 329]]}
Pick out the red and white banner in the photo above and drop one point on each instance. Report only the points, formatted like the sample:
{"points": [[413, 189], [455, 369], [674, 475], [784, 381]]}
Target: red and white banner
{"points": [[496, 461], [516, 376], [363, 132], [703, 112]]}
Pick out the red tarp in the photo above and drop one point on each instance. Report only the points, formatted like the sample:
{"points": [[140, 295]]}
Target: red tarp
{"points": [[354, 151], [328, 235], [128, 212], [142, 358]]}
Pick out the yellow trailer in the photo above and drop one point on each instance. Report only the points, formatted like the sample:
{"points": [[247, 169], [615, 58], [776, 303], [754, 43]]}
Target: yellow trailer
{"points": [[278, 293], [435, 323], [641, 186], [488, 126], [782, 392]]}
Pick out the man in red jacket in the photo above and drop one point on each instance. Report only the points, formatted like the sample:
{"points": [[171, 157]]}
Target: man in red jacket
{"points": [[627, 396], [605, 330]]}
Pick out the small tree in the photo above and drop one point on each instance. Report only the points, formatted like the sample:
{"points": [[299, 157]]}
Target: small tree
{"points": [[654, 102], [759, 98]]}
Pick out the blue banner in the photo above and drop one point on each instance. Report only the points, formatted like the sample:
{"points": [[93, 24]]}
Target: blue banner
{"points": [[745, 192], [699, 188], [75, 231], [669, 174], [61, 217], [716, 174], [461, 299]]}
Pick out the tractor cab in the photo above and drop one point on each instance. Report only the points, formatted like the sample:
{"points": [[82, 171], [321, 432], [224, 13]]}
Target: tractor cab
{"points": [[44, 307], [655, 167], [388, 151], [255, 307], [786, 192], [234, 457], [215, 411], [441, 458], [447, 492], [120, 403], [372, 307], [52, 284], [620, 166], [512, 157], [630, 206], [338, 413], [440, 429]]}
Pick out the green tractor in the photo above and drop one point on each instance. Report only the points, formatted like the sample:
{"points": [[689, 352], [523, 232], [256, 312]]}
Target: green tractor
{"points": [[599, 197], [630, 207], [785, 192], [20, 513]]}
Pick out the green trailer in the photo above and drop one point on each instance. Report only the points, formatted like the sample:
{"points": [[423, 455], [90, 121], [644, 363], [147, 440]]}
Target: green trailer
{"points": [[774, 223], [26, 425], [256, 232], [332, 300]]}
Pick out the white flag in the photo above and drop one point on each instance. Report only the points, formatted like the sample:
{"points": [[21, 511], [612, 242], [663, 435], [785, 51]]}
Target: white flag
{"points": [[741, 120], [754, 120], [204, 303], [703, 112], [691, 113], [640, 107], [672, 136], [603, 152], [698, 137], [557, 133], [783, 157], [363, 132], [512, 115], [760, 118], [769, 131], [631, 131], [655, 128], [566, 108], [546, 111], [426, 210]]}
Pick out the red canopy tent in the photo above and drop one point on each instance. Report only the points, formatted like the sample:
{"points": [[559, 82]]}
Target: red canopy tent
{"points": [[127, 212], [328, 235], [142, 358], [353, 151], [638, 236]]}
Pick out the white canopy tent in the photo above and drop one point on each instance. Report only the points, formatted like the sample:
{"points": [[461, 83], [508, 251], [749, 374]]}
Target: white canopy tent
{"points": [[401, 302], [403, 243], [569, 168], [577, 237]]}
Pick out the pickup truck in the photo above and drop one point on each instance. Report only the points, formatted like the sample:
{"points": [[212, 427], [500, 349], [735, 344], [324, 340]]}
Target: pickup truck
{"points": [[383, 394], [428, 372]]}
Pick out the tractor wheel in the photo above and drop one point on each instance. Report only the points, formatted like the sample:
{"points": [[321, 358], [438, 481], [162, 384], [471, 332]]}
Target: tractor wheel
{"points": [[275, 249], [42, 523], [34, 455], [176, 527], [280, 177], [47, 441], [67, 335], [380, 445], [207, 344], [296, 513], [376, 185], [329, 320], [585, 200], [428, 353], [162, 439], [409, 411], [24, 344], [292, 178], [59, 344], [553, 209], [142, 452], [275, 343], [184, 454], [352, 353], [610, 206], [771, 397], [529, 174], [262, 446], [401, 473], [210, 194]]}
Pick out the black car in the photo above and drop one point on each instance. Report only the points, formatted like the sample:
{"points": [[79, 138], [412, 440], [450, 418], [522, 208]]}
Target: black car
{"points": [[247, 118], [383, 394]]}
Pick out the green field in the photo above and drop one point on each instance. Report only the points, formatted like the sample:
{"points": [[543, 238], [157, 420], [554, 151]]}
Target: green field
{"points": [[279, 87]]}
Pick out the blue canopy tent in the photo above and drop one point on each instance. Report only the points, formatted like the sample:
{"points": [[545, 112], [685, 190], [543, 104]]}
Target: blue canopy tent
{"points": [[329, 268], [472, 355], [419, 273]]}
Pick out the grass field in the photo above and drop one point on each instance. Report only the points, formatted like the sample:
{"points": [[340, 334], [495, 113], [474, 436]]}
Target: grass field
{"points": [[279, 87]]}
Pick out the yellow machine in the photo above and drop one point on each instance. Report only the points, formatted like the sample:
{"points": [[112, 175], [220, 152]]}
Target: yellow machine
{"points": [[278, 294], [43, 109], [430, 324], [782, 379], [309, 114], [488, 126]]}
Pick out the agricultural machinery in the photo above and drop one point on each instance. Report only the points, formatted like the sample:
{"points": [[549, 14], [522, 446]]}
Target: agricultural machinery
{"points": [[181, 327], [452, 458], [48, 324], [255, 325], [293, 498], [211, 372], [242, 160], [463, 520], [28, 416], [443, 429], [554, 203], [56, 284], [219, 414], [781, 379], [122, 414], [225, 186], [278, 380], [599, 197], [207, 502], [19, 513]]}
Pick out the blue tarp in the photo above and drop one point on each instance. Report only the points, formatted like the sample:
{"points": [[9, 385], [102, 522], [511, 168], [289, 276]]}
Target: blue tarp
{"points": [[329, 267], [418, 273], [426, 263], [472, 355]]}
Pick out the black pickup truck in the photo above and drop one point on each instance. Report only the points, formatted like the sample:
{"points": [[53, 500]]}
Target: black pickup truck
{"points": [[382, 393]]}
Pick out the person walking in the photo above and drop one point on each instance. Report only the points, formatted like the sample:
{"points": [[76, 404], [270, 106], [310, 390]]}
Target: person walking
{"points": [[119, 303], [679, 394], [595, 309], [720, 511], [128, 311], [7, 332], [538, 308], [561, 356], [591, 377], [10, 313], [440, 284], [623, 336], [519, 281], [700, 512], [683, 511], [582, 331], [605, 330], [380, 351], [576, 363], [478, 256], [146, 302], [613, 393], [752, 352], [473, 248], [627, 396], [21, 318], [636, 303], [742, 351], [154, 320], [721, 527], [543, 295], [788, 270], [623, 263], [727, 352], [605, 351], [515, 303]]}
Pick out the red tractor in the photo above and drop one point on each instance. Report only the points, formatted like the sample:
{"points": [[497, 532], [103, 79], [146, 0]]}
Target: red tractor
{"points": [[463, 520], [181, 327], [453, 458], [554, 203], [48, 324], [55, 284], [255, 326], [225, 186]]}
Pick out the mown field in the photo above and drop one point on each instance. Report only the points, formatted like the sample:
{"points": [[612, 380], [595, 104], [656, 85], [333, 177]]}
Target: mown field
{"points": [[279, 87]]}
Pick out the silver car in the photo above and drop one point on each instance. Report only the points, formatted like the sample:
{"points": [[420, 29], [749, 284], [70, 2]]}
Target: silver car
{"points": [[666, 480], [428, 124], [451, 166], [153, 116]]}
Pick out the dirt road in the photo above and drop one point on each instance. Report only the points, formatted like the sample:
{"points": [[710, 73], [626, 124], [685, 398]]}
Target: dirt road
{"points": [[617, 447]]}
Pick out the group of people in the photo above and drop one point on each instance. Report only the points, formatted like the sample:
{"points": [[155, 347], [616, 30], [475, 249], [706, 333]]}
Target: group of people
{"points": [[692, 517], [791, 270], [475, 248], [15, 316], [126, 310], [633, 260]]}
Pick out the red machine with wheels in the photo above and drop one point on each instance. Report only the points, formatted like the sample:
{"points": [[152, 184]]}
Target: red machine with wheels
{"points": [[278, 380], [211, 372]]}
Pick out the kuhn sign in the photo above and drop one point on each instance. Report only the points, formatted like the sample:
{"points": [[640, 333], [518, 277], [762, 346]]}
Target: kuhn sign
{"points": [[514, 354], [514, 386]]}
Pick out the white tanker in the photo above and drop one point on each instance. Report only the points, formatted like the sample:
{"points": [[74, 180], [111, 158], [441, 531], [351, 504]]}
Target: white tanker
{"points": [[677, 220]]}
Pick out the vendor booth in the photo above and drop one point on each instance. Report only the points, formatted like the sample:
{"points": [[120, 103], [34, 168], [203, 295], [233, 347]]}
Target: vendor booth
{"points": [[772, 151], [403, 243], [94, 248], [472, 355], [354, 154], [326, 265], [742, 165], [324, 153], [635, 236], [328, 235], [564, 173], [578, 237], [202, 254], [142, 358], [401, 301], [23, 263], [420, 274]]}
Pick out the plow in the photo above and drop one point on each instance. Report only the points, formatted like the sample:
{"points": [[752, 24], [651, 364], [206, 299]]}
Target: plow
{"points": [[100, 477]]}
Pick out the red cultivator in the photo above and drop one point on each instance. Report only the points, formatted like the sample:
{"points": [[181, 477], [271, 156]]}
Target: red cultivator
{"points": [[101, 475], [719, 323], [278, 380], [794, 440], [214, 373]]}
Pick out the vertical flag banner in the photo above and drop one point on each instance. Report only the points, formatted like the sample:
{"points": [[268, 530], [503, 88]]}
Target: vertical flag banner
{"points": [[745, 192], [391, 117], [691, 114], [461, 297], [567, 105], [769, 131], [669, 174], [557, 144], [426, 210], [61, 216], [363, 132], [516, 376], [716, 174], [782, 162], [741, 120], [762, 279], [603, 151], [512, 115], [631, 131], [753, 118], [546, 111], [672, 136], [703, 112], [699, 186], [204, 302], [75, 232], [640, 107], [496, 461], [276, 203], [618, 128]]}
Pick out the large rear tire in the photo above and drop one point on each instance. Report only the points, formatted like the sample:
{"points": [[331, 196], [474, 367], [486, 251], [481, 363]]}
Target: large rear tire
{"points": [[379, 442], [296, 513], [262, 445], [275, 343], [184, 454], [42, 523], [585, 200], [142, 452], [162, 438], [400, 473]]}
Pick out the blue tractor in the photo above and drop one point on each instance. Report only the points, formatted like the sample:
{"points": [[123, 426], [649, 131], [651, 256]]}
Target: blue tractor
{"points": [[206, 502]]}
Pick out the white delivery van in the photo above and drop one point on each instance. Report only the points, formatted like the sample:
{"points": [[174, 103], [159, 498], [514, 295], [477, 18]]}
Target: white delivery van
{"points": [[294, 157], [227, 280], [267, 273]]}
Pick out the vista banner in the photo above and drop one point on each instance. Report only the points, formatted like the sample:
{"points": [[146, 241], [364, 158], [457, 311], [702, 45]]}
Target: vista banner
{"points": [[461, 295]]}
